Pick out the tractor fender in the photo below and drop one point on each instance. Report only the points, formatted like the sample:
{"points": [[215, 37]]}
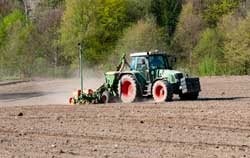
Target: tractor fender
{"points": [[126, 73], [157, 79]]}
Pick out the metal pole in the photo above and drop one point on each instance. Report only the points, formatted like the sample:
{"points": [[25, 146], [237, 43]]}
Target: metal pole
{"points": [[80, 57]]}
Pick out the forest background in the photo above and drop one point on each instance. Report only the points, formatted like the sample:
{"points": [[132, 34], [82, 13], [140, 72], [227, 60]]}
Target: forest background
{"points": [[38, 38]]}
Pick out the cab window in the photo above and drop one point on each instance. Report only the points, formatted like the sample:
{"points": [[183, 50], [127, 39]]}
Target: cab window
{"points": [[139, 63], [157, 62]]}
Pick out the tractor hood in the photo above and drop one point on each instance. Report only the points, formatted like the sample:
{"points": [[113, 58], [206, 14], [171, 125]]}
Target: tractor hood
{"points": [[172, 76]]}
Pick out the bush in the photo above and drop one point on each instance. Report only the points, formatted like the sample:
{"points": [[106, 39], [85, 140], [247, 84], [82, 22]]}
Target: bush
{"points": [[216, 9], [208, 66], [209, 53], [42, 68], [145, 35], [237, 48], [97, 24], [187, 34]]}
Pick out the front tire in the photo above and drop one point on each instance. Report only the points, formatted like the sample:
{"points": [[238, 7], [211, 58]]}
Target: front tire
{"points": [[127, 89], [162, 91]]}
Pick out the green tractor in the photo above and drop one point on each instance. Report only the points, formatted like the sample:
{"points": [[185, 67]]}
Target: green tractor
{"points": [[149, 75]]}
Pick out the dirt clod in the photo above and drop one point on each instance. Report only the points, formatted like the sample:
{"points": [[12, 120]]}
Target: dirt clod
{"points": [[58, 118], [106, 156], [61, 151], [67, 141], [53, 145], [20, 114]]}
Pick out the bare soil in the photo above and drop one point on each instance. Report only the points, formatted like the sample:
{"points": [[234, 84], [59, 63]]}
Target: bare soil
{"points": [[35, 122]]}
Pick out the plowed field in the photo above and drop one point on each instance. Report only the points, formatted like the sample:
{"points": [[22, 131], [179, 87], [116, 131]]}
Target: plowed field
{"points": [[36, 122]]}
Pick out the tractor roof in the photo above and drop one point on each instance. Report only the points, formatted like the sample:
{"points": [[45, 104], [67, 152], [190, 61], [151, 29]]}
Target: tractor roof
{"points": [[146, 53]]}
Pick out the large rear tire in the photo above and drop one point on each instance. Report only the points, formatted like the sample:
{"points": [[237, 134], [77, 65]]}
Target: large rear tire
{"points": [[127, 89], [162, 91]]}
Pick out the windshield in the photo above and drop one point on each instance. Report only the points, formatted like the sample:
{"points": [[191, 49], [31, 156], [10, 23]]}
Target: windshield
{"points": [[152, 61], [158, 62]]}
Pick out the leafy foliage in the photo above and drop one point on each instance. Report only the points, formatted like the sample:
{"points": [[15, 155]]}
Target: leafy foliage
{"points": [[55, 3], [137, 10], [15, 49], [216, 9], [167, 13], [187, 33], [95, 23], [209, 51], [237, 48], [209, 37], [208, 66], [142, 36]]}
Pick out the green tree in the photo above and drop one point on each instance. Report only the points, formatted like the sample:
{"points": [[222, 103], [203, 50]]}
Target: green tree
{"points": [[7, 22], [142, 36], [95, 23], [138, 10], [110, 22], [216, 9], [55, 3], [7, 6], [77, 25], [209, 52], [48, 19], [237, 48], [187, 34], [167, 13], [16, 52]]}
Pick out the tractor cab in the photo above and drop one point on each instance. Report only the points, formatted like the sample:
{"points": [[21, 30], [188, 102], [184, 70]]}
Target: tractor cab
{"points": [[149, 60], [148, 63]]}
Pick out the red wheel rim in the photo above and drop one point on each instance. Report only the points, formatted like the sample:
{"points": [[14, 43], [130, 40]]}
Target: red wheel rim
{"points": [[159, 92], [127, 88]]}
